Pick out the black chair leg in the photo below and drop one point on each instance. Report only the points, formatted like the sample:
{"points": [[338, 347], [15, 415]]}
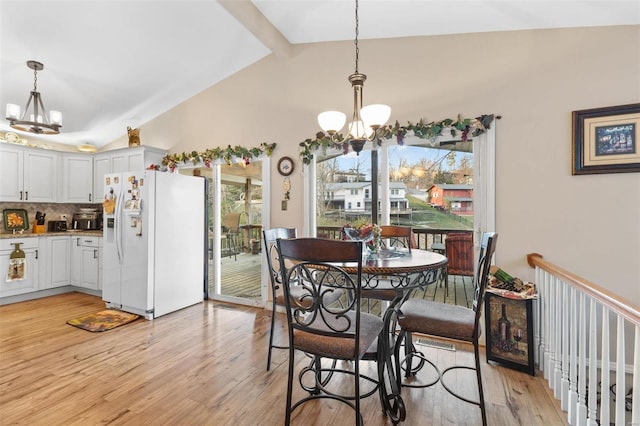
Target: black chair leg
{"points": [[287, 418], [480, 390], [273, 323]]}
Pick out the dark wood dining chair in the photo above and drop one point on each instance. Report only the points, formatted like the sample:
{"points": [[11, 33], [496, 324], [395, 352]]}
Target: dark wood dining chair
{"points": [[319, 326], [459, 251], [396, 236], [451, 322]]}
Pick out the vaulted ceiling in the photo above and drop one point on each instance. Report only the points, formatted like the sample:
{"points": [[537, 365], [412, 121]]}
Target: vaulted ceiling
{"points": [[112, 64]]}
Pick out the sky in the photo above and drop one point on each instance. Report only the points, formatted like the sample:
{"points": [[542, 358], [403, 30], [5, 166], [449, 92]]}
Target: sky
{"points": [[411, 154]]}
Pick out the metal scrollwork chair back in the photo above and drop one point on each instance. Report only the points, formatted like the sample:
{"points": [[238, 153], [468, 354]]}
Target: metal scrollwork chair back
{"points": [[319, 325]]}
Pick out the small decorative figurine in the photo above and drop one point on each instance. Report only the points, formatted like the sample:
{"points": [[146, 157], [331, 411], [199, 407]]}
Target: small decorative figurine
{"points": [[134, 136]]}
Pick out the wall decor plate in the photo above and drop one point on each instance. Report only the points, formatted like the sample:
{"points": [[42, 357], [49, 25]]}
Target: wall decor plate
{"points": [[15, 219]]}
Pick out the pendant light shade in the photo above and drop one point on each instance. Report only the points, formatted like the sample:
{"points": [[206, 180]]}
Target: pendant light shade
{"points": [[331, 121], [375, 115]]}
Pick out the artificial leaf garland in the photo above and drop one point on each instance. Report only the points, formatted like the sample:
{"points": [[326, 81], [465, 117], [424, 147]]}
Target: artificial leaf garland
{"points": [[171, 161], [421, 129]]}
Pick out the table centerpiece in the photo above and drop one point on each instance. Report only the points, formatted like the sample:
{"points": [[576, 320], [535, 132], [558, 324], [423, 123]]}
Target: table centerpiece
{"points": [[368, 233]]}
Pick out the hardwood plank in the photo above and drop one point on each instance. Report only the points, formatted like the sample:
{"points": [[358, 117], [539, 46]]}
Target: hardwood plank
{"points": [[206, 365]]}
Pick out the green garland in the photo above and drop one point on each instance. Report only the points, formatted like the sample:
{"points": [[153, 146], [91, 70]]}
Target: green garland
{"points": [[422, 130], [171, 161]]}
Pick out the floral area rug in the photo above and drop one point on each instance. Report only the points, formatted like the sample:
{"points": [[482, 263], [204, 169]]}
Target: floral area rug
{"points": [[103, 320]]}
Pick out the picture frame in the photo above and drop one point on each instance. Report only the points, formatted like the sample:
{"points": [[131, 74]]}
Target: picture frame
{"points": [[512, 344], [606, 140]]}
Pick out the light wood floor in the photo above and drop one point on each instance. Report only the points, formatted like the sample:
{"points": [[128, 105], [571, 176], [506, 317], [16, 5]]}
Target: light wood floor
{"points": [[204, 365]]}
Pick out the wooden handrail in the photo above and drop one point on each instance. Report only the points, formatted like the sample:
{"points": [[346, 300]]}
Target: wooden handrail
{"points": [[617, 304]]}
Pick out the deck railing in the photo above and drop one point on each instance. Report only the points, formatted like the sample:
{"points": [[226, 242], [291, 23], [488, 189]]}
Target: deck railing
{"points": [[576, 323], [424, 237]]}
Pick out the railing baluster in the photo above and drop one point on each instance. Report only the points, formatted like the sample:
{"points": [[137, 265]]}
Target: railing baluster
{"points": [[548, 368], [620, 371], [537, 325], [557, 353], [572, 411], [605, 369], [582, 362], [542, 303], [553, 331], [635, 397], [564, 394], [592, 403]]}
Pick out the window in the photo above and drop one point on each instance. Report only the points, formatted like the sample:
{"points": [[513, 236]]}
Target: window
{"points": [[354, 191]]}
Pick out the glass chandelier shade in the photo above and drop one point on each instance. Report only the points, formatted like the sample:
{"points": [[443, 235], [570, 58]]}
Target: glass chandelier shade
{"points": [[39, 122], [331, 121]]}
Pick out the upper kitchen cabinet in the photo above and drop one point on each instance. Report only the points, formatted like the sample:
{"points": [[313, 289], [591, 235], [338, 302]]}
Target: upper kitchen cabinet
{"points": [[28, 174], [123, 160], [77, 179]]}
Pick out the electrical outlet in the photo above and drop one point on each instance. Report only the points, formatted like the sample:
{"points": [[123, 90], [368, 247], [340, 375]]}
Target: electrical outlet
{"points": [[63, 216]]}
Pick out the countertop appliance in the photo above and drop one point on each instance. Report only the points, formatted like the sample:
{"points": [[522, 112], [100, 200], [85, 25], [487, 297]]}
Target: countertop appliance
{"points": [[154, 242], [57, 225], [86, 221]]}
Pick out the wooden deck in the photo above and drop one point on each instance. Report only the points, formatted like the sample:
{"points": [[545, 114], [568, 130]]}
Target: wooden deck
{"points": [[241, 278]]}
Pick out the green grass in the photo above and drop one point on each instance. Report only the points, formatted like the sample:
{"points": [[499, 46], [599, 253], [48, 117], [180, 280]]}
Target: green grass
{"points": [[424, 216]]}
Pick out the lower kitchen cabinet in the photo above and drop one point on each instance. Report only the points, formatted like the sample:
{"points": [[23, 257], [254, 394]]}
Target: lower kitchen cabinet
{"points": [[30, 282], [57, 256], [85, 262]]}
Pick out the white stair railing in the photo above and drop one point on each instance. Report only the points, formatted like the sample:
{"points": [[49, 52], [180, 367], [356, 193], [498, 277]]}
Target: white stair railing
{"points": [[588, 347]]}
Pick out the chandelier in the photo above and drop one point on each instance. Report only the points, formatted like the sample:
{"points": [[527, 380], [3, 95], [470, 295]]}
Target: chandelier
{"points": [[38, 121], [365, 120]]}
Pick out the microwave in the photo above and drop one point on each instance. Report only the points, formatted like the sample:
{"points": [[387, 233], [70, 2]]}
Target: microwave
{"points": [[57, 225]]}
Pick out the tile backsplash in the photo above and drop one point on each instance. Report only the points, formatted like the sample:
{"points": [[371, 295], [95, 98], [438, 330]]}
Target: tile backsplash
{"points": [[53, 211]]}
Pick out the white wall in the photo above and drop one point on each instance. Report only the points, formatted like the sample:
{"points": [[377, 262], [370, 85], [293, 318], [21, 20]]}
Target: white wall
{"points": [[589, 225]]}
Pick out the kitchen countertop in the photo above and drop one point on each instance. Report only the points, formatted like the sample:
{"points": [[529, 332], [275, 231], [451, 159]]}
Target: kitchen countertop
{"points": [[97, 233]]}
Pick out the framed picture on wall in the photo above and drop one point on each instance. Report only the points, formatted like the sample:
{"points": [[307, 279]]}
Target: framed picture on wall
{"points": [[509, 331], [606, 140]]}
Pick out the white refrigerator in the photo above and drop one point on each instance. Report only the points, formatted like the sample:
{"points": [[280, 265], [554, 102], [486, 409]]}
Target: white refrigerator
{"points": [[154, 243]]}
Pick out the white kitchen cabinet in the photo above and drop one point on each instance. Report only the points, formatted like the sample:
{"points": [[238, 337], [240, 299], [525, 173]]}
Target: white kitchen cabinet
{"points": [[85, 262], [77, 179], [58, 256], [28, 174], [101, 167], [122, 160], [30, 282]]}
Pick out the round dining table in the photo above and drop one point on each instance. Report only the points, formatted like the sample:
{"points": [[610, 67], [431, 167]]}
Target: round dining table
{"points": [[403, 271]]}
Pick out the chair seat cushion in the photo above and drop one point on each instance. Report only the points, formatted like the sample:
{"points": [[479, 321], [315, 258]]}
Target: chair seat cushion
{"points": [[339, 347], [438, 319]]}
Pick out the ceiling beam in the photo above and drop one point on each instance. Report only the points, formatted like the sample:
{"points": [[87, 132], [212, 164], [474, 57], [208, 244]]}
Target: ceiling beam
{"points": [[250, 16]]}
